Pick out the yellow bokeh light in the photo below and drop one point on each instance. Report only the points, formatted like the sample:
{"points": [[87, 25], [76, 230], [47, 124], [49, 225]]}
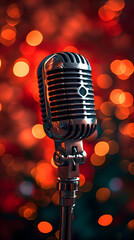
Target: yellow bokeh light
{"points": [[38, 131], [105, 220], [21, 68], [45, 227], [34, 38], [101, 148]]}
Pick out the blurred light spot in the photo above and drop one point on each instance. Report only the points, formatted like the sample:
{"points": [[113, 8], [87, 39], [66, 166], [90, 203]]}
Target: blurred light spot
{"points": [[26, 188], [12, 21], [8, 32], [45, 227], [115, 184], [44, 175], [98, 101], [129, 67], [21, 68], [108, 123], [129, 129], [122, 112], [70, 49], [131, 168], [124, 164], [101, 148], [28, 211], [122, 68], [104, 81], [82, 179], [53, 164], [113, 147], [2, 149], [57, 234], [105, 13], [97, 160], [26, 138], [105, 220], [34, 38], [13, 11], [128, 101], [117, 96], [7, 159], [130, 225], [0, 106], [102, 194], [26, 49], [38, 131], [0, 62], [87, 186], [107, 108], [116, 5], [55, 198]]}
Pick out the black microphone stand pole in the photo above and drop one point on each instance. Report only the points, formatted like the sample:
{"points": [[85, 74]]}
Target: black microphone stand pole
{"points": [[68, 157]]}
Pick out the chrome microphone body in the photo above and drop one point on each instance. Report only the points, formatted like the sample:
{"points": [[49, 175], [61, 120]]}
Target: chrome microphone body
{"points": [[67, 105]]}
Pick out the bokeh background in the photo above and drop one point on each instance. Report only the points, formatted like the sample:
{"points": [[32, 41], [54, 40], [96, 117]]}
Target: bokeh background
{"points": [[103, 32]]}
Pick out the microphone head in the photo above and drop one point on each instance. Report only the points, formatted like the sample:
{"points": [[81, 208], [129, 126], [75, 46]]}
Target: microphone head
{"points": [[66, 96]]}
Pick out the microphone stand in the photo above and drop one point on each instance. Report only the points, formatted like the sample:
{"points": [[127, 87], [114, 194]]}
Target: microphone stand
{"points": [[68, 157]]}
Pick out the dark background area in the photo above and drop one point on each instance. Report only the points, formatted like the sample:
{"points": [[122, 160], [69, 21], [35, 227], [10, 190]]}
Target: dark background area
{"points": [[101, 31]]}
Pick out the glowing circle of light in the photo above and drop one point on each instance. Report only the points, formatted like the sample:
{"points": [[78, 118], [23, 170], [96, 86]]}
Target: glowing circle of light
{"points": [[131, 168], [117, 96], [21, 68], [116, 5], [97, 160], [102, 194], [82, 179], [38, 131], [104, 81], [101, 148], [115, 184], [26, 188], [71, 49], [105, 13], [34, 38], [130, 225], [45, 227], [13, 11], [128, 99], [105, 220]]}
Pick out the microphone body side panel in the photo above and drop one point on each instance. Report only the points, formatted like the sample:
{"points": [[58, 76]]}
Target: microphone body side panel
{"points": [[69, 112]]}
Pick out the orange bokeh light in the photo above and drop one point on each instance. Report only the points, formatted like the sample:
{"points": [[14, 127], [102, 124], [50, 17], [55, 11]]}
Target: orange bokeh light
{"points": [[70, 49], [122, 68], [38, 131], [26, 138], [101, 148], [34, 38], [8, 32], [130, 225], [55, 198], [21, 67], [82, 179], [104, 81], [105, 220], [131, 168], [122, 112], [102, 194], [97, 160], [13, 11], [106, 13], [44, 176], [116, 5], [107, 108], [57, 234], [113, 147], [128, 101], [45, 227], [117, 96]]}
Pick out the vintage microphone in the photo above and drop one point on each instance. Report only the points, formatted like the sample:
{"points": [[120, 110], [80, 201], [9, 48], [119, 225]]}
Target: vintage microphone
{"points": [[67, 105]]}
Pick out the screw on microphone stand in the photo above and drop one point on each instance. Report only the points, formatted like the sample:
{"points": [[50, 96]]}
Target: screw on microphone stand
{"points": [[68, 157]]}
